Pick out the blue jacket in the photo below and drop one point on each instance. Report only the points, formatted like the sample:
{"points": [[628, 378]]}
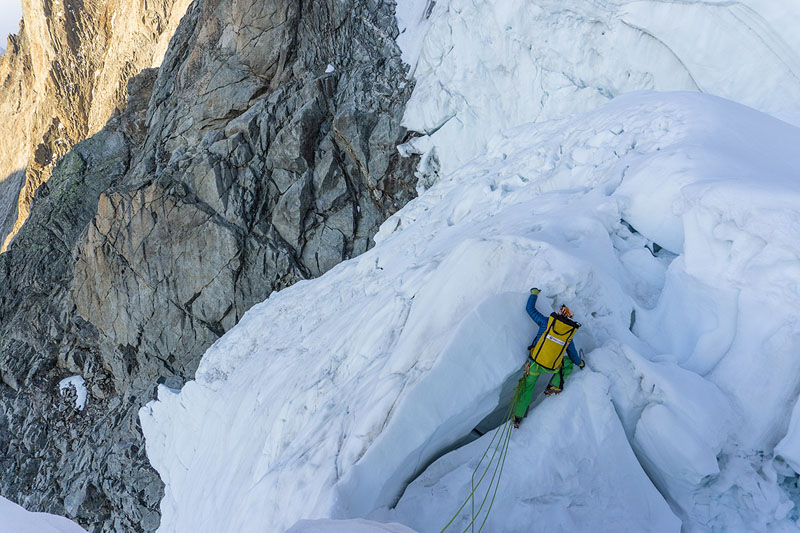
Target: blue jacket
{"points": [[541, 321]]}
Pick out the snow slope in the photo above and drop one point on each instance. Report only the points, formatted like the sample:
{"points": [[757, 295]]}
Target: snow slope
{"points": [[15, 519], [483, 66], [667, 221]]}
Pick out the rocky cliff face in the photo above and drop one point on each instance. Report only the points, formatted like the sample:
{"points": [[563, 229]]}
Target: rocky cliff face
{"points": [[261, 153], [64, 75]]}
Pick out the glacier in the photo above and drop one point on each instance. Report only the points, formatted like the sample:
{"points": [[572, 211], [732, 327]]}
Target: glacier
{"points": [[667, 220]]}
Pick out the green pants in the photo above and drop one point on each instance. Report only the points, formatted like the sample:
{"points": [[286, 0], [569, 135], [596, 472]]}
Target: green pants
{"points": [[557, 380]]}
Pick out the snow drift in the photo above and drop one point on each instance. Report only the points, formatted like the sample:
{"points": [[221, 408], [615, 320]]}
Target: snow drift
{"points": [[665, 221]]}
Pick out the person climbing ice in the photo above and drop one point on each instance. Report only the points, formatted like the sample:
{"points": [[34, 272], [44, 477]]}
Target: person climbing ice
{"points": [[546, 353]]}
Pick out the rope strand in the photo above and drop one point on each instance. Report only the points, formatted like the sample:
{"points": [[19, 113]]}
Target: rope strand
{"points": [[504, 431], [491, 504], [502, 443]]}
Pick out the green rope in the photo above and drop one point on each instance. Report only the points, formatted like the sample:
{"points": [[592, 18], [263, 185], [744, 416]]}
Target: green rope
{"points": [[505, 437], [488, 466], [506, 430], [498, 470], [505, 422], [503, 464]]}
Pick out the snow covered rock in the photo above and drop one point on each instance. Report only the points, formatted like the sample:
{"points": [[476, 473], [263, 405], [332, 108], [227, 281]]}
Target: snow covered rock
{"points": [[74, 386], [238, 167]]}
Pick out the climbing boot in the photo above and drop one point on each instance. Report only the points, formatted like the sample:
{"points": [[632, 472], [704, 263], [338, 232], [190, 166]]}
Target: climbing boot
{"points": [[551, 390], [517, 420]]}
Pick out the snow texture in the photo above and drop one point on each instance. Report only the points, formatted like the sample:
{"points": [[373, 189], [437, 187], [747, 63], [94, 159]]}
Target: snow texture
{"points": [[666, 221], [78, 386], [15, 519], [484, 66]]}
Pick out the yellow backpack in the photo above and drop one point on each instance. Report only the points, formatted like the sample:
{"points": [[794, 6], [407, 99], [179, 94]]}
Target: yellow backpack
{"points": [[549, 349]]}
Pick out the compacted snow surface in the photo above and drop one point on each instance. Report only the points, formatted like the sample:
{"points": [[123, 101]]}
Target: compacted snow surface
{"points": [[667, 221]]}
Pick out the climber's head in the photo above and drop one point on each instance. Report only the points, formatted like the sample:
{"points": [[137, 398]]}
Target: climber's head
{"points": [[565, 311]]}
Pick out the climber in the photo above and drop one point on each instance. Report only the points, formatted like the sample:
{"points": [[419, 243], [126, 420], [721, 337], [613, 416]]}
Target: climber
{"points": [[546, 353]]}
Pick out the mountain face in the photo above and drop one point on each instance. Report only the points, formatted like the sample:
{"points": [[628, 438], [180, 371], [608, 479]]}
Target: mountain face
{"points": [[261, 149], [262, 152], [64, 75]]}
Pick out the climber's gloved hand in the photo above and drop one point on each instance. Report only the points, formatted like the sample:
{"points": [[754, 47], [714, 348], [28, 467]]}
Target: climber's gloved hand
{"points": [[535, 291], [582, 365], [527, 368]]}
